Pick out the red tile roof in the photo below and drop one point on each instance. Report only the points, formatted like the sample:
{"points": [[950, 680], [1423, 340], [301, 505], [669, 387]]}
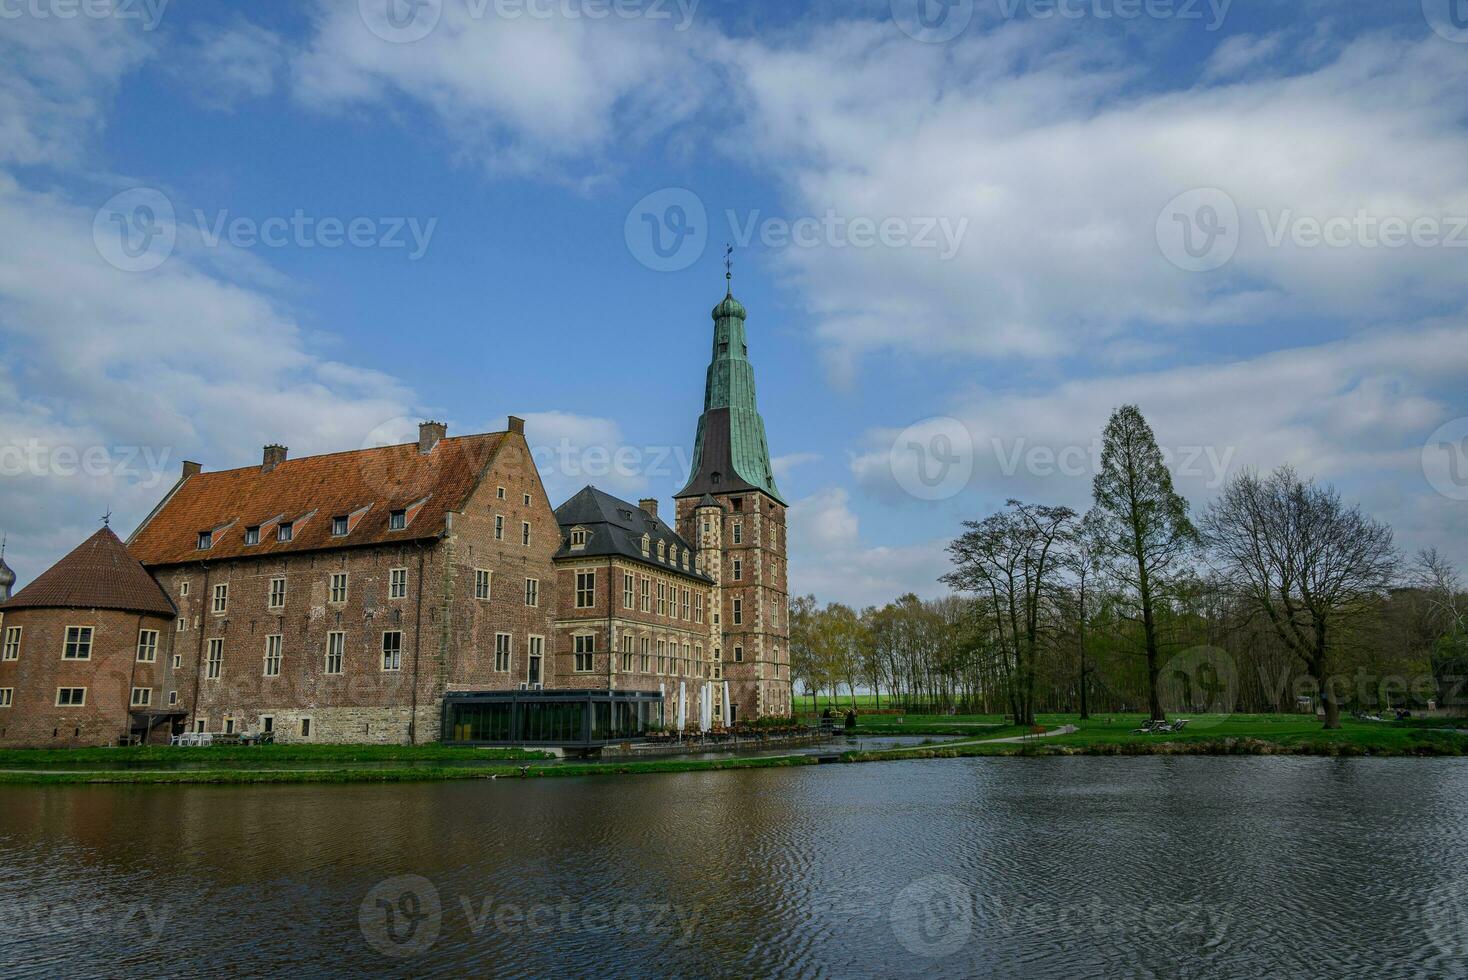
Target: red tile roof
{"points": [[364, 485], [98, 574]]}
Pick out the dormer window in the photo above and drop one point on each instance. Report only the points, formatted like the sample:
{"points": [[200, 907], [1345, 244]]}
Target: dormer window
{"points": [[285, 531], [397, 520], [646, 545], [206, 540], [578, 538], [338, 527], [252, 535], [662, 551]]}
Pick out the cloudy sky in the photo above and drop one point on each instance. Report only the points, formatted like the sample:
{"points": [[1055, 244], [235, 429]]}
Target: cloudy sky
{"points": [[965, 231]]}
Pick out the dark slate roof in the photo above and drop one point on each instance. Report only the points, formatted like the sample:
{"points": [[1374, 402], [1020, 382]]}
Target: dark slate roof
{"points": [[616, 527], [99, 574]]}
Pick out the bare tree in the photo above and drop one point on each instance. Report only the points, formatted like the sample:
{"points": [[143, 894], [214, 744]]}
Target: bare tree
{"points": [[1012, 558], [1303, 559], [1142, 524]]}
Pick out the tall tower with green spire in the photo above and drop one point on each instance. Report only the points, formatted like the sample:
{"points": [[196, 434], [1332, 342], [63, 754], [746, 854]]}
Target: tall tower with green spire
{"points": [[733, 510]]}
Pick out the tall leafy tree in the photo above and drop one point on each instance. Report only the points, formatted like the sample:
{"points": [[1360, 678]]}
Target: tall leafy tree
{"points": [[1142, 526]]}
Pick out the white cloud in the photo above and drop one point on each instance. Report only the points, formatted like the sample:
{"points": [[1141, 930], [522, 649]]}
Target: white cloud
{"points": [[224, 67], [829, 559], [785, 465]]}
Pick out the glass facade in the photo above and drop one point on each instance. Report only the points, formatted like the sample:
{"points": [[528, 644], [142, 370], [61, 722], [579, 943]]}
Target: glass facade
{"points": [[550, 717]]}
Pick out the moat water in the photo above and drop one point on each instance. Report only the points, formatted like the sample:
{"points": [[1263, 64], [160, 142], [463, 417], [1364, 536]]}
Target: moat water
{"points": [[1166, 867]]}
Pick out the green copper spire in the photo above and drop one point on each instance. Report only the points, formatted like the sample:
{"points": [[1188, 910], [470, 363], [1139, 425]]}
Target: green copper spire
{"points": [[730, 452]]}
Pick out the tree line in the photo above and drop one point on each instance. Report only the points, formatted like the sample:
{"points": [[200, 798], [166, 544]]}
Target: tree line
{"points": [[1278, 597]]}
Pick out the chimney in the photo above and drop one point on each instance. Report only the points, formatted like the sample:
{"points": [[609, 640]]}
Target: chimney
{"points": [[274, 456], [650, 505], [517, 424], [430, 434], [191, 468]]}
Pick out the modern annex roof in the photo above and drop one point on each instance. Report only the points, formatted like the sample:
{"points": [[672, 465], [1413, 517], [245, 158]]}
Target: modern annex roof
{"points": [[730, 452], [98, 574], [365, 487], [615, 527]]}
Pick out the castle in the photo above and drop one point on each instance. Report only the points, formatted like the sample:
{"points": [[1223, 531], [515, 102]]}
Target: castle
{"points": [[420, 592]]}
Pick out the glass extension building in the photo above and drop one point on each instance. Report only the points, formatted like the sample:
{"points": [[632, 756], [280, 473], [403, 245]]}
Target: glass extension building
{"points": [[576, 719]]}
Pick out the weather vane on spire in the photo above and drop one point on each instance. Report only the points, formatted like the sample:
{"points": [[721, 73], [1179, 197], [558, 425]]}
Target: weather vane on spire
{"points": [[107, 518], [729, 268]]}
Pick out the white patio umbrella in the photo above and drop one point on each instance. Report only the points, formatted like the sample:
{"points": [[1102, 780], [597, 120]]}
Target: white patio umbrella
{"points": [[662, 692], [725, 705], [682, 704], [705, 708]]}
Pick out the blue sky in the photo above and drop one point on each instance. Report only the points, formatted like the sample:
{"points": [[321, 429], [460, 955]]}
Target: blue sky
{"points": [[1032, 168]]}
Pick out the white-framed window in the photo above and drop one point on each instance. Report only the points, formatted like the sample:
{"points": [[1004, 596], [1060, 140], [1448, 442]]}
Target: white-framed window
{"points": [[71, 697], [12, 643], [201, 724], [392, 650], [214, 665], [502, 652], [339, 527], [738, 612], [397, 520], [397, 583], [336, 645], [627, 653], [285, 531], [698, 607], [687, 604], [7, 696], [183, 624], [662, 599], [525, 499], [277, 593], [267, 724], [338, 587], [483, 579], [585, 647], [662, 551], [272, 655], [221, 598], [738, 569], [525, 533], [177, 661], [532, 592], [499, 527], [585, 590], [183, 587], [662, 656], [645, 653], [78, 643], [646, 545], [578, 538], [172, 698], [142, 697], [646, 594], [147, 646], [305, 727], [628, 596], [229, 726], [739, 655], [252, 535], [499, 493]]}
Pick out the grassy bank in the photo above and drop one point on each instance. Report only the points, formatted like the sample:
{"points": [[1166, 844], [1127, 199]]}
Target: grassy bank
{"points": [[1105, 735]]}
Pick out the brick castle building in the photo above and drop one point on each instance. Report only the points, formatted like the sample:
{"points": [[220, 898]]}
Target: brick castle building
{"points": [[419, 592]]}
